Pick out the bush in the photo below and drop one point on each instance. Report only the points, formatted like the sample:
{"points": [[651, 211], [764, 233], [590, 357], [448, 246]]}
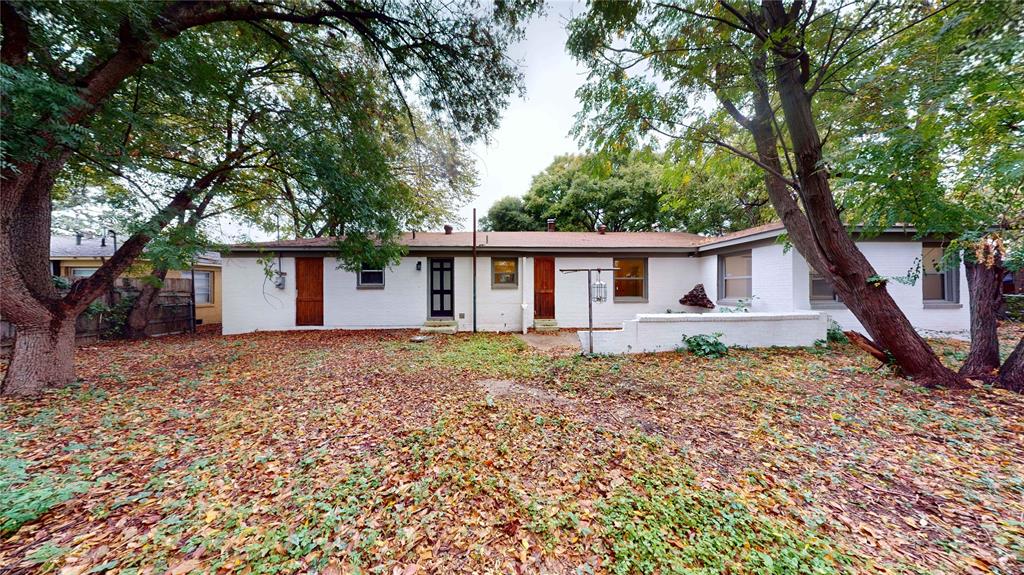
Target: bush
{"points": [[705, 345], [835, 333]]}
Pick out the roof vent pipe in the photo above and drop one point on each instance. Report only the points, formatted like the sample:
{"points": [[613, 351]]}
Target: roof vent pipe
{"points": [[448, 229], [601, 229], [551, 224], [78, 238]]}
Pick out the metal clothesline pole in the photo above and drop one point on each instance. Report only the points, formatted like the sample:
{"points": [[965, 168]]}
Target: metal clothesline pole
{"points": [[590, 301]]}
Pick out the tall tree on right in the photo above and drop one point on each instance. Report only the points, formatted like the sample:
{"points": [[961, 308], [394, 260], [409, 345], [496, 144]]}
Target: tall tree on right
{"points": [[777, 70]]}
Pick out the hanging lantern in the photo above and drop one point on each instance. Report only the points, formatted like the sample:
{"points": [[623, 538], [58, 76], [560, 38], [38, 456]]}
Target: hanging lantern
{"points": [[599, 290]]}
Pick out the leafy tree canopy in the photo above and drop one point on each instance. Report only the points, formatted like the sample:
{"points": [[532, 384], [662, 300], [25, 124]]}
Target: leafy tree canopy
{"points": [[699, 190]]}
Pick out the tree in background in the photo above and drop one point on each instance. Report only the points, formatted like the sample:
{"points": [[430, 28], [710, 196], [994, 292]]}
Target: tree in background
{"points": [[509, 215], [777, 72], [712, 192], [73, 74], [709, 193]]}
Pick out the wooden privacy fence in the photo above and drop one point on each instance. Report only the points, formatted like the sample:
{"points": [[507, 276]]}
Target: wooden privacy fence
{"points": [[173, 313]]}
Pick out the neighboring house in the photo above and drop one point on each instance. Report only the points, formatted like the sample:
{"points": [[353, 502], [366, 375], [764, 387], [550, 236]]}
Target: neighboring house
{"points": [[519, 285], [79, 256]]}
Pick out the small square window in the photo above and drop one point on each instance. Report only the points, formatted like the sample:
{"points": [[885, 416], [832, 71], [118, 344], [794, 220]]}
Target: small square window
{"points": [[504, 272], [371, 278], [630, 279], [821, 292]]}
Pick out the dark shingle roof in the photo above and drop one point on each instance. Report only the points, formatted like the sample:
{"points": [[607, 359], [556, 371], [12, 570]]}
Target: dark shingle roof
{"points": [[66, 247]]}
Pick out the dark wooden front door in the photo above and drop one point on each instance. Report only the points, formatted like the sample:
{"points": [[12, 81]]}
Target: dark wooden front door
{"points": [[309, 288], [544, 288], [442, 287]]}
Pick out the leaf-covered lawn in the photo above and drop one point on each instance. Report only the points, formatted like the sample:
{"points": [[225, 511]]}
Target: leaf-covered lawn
{"points": [[338, 452]]}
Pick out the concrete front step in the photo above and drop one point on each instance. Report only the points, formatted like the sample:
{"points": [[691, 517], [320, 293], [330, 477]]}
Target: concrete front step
{"points": [[448, 329], [440, 322], [545, 325], [448, 326]]}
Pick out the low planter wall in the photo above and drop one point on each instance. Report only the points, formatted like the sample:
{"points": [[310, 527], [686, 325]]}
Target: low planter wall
{"points": [[665, 331]]}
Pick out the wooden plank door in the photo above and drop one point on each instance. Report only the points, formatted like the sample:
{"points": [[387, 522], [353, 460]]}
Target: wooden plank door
{"points": [[309, 287], [442, 287], [544, 288]]}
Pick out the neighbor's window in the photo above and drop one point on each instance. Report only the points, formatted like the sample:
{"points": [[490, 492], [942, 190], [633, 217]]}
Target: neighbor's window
{"points": [[822, 291], [504, 272], [734, 276], [371, 278], [78, 273], [630, 279], [202, 284], [940, 281]]}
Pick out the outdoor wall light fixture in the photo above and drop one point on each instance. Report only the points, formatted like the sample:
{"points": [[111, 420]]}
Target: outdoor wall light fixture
{"points": [[419, 265]]}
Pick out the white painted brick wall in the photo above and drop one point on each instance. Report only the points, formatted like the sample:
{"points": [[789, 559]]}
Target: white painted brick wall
{"points": [[669, 278], [780, 284], [665, 332]]}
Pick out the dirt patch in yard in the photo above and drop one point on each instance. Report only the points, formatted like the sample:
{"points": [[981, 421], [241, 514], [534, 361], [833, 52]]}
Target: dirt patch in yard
{"points": [[561, 340], [507, 388]]}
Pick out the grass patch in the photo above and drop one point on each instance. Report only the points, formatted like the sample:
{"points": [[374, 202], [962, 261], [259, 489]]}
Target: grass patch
{"points": [[660, 521]]}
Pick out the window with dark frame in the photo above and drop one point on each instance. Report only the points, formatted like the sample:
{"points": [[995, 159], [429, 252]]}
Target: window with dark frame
{"points": [[630, 279], [504, 272], [940, 282], [79, 273], [735, 276], [370, 278]]}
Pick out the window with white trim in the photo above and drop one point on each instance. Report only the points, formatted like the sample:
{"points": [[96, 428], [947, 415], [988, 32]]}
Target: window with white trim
{"points": [[735, 276], [79, 273], [202, 285]]}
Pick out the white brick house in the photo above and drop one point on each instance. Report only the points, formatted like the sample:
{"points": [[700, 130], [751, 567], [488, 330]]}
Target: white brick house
{"points": [[519, 285]]}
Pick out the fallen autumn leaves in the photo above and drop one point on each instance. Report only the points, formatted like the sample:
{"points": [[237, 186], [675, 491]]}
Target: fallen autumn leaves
{"points": [[338, 452]]}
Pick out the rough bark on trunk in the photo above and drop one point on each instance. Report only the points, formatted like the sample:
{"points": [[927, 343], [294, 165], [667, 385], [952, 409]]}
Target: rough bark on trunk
{"points": [[39, 358], [143, 307], [1011, 374], [984, 283], [822, 232]]}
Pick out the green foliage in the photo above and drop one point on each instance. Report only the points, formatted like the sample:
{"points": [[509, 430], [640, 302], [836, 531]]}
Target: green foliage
{"points": [[660, 521], [835, 333], [26, 496], [706, 345], [583, 191], [61, 282], [117, 317], [509, 215], [348, 119]]}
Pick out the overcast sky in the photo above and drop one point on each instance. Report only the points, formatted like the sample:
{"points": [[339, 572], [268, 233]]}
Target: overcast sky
{"points": [[534, 128]]}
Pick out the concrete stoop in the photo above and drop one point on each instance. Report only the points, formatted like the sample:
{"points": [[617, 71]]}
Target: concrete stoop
{"points": [[448, 326], [545, 325]]}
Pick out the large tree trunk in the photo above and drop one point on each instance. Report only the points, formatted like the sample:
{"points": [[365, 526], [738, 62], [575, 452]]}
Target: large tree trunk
{"points": [[824, 233], [984, 283], [41, 358], [1011, 374], [142, 308]]}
